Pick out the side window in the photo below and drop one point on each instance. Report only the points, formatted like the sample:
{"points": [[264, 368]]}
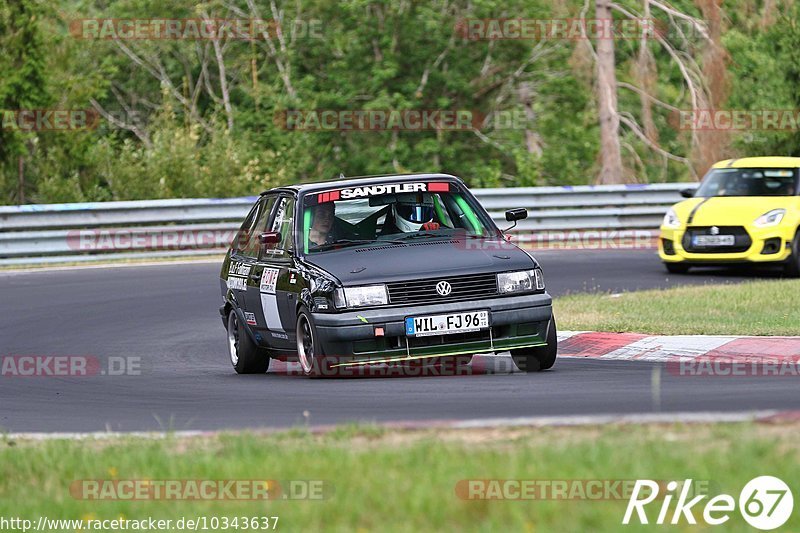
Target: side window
{"points": [[243, 235], [283, 223], [251, 246]]}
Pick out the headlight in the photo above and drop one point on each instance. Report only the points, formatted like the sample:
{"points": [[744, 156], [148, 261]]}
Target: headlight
{"points": [[770, 218], [365, 296], [671, 220], [524, 280]]}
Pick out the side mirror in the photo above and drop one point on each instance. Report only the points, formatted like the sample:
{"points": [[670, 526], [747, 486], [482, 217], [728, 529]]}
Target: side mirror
{"points": [[270, 237], [688, 193], [512, 215], [519, 213]]}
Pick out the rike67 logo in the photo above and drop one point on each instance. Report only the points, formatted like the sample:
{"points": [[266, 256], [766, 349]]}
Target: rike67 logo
{"points": [[765, 503]]}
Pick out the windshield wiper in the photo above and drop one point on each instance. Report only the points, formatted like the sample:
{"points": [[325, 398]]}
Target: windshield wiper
{"points": [[424, 235], [351, 242]]}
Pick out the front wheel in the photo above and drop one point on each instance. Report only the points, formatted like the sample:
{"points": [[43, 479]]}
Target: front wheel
{"points": [[539, 357], [309, 351], [676, 268], [246, 356]]}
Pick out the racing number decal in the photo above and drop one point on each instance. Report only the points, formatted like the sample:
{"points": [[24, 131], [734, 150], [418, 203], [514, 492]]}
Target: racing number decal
{"points": [[269, 300]]}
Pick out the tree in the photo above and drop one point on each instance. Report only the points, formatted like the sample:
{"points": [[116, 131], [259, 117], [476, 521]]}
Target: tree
{"points": [[24, 82], [610, 152]]}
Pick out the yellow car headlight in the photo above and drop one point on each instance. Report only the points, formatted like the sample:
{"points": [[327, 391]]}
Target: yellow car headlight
{"points": [[770, 218], [671, 220]]}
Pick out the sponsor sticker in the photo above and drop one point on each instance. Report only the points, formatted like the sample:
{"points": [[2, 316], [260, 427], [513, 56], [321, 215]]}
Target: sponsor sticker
{"points": [[269, 279], [237, 284], [239, 269], [376, 190], [250, 318]]}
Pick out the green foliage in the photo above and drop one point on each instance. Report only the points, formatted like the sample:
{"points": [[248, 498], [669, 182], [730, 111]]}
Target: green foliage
{"points": [[24, 83], [363, 55]]}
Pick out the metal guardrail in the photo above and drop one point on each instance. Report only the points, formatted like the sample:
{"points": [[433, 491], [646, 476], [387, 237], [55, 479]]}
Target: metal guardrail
{"points": [[162, 228]]}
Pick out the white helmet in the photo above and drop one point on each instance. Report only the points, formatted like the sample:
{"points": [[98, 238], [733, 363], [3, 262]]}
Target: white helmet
{"points": [[409, 217]]}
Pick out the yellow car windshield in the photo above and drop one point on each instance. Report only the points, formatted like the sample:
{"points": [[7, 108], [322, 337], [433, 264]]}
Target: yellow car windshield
{"points": [[749, 182]]}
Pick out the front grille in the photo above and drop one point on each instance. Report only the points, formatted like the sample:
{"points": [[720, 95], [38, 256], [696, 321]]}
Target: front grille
{"points": [[423, 291], [742, 240], [443, 340]]}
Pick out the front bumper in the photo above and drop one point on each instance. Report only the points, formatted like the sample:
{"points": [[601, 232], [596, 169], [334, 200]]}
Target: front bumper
{"points": [[769, 245], [350, 339]]}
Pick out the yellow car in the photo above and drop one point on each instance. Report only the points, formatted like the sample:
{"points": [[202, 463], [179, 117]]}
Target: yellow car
{"points": [[745, 211]]}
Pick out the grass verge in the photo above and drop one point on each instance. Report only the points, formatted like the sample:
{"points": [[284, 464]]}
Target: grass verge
{"points": [[751, 308], [402, 480]]}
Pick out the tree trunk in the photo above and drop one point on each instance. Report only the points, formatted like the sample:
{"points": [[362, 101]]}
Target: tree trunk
{"points": [[610, 151], [20, 181], [646, 75], [712, 145], [533, 142]]}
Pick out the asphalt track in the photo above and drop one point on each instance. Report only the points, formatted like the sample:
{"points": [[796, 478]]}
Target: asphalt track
{"points": [[166, 315]]}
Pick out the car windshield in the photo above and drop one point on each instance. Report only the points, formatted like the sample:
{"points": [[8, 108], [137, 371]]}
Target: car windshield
{"points": [[748, 182], [390, 213]]}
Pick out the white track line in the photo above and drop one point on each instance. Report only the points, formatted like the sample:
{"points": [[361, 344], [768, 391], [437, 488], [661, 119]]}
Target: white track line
{"points": [[93, 266], [704, 417]]}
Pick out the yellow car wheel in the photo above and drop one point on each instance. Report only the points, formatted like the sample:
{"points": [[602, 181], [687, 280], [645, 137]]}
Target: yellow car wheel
{"points": [[677, 268]]}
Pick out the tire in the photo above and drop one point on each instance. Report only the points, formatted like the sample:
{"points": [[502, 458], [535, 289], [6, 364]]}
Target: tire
{"points": [[677, 268], [538, 358], [792, 266], [313, 361], [246, 356]]}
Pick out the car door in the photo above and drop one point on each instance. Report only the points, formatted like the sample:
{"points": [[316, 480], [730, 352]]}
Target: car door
{"points": [[244, 263], [278, 284], [242, 257]]}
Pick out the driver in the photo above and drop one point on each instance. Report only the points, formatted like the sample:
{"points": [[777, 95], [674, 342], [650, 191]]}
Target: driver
{"points": [[414, 215], [321, 224]]}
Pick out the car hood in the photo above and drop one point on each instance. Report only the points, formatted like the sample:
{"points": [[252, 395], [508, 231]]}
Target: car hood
{"points": [[385, 263], [729, 210]]}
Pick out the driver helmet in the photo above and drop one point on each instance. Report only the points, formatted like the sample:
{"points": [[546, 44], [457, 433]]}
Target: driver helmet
{"points": [[409, 216]]}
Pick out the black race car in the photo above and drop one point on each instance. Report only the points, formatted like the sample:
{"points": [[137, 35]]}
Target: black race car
{"points": [[388, 270]]}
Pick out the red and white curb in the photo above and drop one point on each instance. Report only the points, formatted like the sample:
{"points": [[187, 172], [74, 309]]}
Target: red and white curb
{"points": [[638, 347], [666, 348]]}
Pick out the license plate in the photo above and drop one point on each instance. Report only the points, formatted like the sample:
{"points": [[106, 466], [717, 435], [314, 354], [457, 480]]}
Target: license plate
{"points": [[714, 240], [422, 326]]}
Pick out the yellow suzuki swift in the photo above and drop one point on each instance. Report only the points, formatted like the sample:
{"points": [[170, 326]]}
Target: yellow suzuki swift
{"points": [[745, 211]]}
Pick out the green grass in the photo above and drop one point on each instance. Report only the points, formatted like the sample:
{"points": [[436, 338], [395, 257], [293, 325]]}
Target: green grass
{"points": [[752, 308], [402, 480]]}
